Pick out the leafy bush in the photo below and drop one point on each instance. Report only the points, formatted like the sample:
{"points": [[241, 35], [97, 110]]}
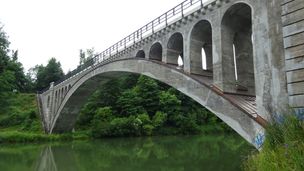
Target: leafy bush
{"points": [[283, 148], [159, 119]]}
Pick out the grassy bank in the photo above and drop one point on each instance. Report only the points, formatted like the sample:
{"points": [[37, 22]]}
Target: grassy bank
{"points": [[31, 137], [283, 148], [20, 122]]}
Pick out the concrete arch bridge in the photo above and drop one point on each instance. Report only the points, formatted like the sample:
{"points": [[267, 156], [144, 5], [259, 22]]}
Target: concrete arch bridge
{"points": [[235, 57]]}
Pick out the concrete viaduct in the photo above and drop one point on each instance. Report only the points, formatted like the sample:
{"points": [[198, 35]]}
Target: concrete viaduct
{"points": [[242, 59]]}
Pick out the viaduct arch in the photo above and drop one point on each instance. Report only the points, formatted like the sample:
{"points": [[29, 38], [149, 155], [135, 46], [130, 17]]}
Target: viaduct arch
{"points": [[199, 90], [234, 55]]}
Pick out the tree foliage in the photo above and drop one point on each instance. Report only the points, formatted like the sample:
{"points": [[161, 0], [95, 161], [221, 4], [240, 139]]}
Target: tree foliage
{"points": [[50, 73], [137, 106], [12, 77]]}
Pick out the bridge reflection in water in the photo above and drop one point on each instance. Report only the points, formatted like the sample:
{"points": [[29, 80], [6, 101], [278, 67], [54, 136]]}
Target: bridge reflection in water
{"points": [[157, 153]]}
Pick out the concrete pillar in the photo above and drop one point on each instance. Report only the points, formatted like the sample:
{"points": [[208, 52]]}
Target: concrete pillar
{"points": [[217, 53], [172, 56], [186, 58]]}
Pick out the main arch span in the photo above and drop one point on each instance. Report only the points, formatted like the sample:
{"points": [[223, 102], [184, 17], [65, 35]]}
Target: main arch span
{"points": [[233, 63], [247, 124]]}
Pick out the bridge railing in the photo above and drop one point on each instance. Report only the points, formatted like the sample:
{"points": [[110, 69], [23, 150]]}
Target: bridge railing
{"points": [[169, 17]]}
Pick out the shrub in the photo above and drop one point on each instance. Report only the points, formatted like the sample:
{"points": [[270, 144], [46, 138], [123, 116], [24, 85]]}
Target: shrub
{"points": [[159, 119], [283, 148], [148, 129]]}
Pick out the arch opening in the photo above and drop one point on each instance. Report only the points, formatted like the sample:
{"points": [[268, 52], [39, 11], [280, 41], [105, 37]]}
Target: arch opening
{"points": [[237, 50], [175, 50], [140, 54], [201, 61], [156, 52]]}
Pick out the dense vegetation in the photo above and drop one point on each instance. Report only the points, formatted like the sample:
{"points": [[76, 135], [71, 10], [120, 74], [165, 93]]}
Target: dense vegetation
{"points": [[138, 105], [283, 148], [19, 120]]}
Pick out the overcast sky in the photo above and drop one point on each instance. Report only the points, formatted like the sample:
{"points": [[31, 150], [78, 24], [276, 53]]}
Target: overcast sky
{"points": [[41, 29]]}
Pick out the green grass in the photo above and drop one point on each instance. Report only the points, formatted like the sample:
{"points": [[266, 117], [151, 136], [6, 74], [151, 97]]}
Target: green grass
{"points": [[30, 137], [21, 123], [283, 148]]}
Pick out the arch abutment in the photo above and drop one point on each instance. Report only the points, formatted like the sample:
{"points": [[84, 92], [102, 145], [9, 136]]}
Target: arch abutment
{"points": [[48, 113], [269, 66]]}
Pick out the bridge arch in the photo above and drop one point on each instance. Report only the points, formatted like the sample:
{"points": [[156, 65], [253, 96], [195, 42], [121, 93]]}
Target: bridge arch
{"points": [[201, 92], [175, 48], [156, 51], [140, 54], [201, 58], [237, 49]]}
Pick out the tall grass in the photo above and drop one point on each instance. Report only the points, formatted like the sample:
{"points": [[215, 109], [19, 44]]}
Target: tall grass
{"points": [[27, 137], [283, 148]]}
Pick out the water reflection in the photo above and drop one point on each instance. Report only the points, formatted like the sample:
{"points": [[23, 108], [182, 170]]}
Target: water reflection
{"points": [[132, 154], [46, 160]]}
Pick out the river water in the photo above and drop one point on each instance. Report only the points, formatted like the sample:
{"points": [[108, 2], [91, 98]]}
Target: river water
{"points": [[169, 153]]}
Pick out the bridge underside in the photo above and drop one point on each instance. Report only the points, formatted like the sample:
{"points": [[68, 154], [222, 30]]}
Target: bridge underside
{"points": [[238, 111]]}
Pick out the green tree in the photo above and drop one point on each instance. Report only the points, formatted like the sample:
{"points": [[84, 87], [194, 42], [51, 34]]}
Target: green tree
{"points": [[129, 103], [147, 90], [50, 73], [12, 77], [85, 56]]}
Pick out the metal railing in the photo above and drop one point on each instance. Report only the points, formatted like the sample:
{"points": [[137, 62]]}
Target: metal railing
{"points": [[169, 17]]}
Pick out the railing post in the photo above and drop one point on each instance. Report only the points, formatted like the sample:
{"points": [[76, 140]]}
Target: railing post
{"points": [[125, 43], [153, 27], [166, 17], [141, 37], [182, 9], [134, 37], [201, 3]]}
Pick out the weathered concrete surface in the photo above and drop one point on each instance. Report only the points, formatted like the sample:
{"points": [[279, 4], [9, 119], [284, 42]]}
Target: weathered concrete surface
{"points": [[293, 33], [81, 89]]}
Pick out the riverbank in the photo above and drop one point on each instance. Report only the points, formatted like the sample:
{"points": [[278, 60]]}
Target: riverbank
{"points": [[283, 148], [15, 136]]}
